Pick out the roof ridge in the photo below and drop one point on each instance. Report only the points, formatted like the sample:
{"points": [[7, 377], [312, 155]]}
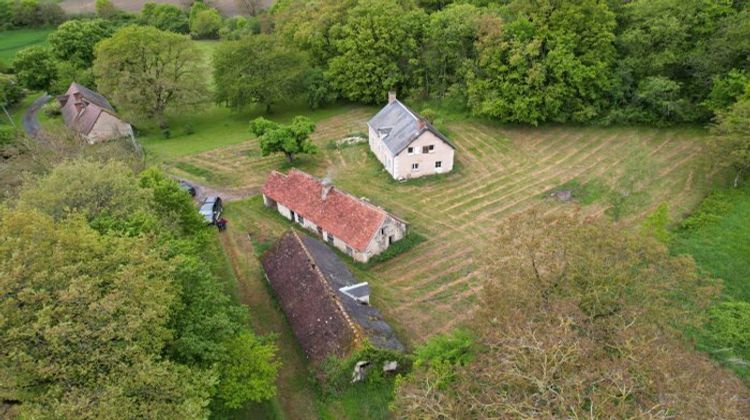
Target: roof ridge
{"points": [[358, 336]]}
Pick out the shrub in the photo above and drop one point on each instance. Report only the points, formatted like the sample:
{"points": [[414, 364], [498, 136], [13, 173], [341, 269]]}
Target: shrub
{"points": [[8, 134], [411, 240], [52, 109], [336, 373], [166, 17], [10, 91], [729, 326], [656, 224], [35, 68]]}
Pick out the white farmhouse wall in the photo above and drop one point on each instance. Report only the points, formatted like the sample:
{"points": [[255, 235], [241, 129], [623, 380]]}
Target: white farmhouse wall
{"points": [[442, 152]]}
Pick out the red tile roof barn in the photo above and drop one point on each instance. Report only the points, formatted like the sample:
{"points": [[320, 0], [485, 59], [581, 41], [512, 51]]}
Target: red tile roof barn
{"points": [[348, 218]]}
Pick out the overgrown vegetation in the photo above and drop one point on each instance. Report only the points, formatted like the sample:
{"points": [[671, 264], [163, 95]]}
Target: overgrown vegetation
{"points": [[716, 235], [397, 248]]}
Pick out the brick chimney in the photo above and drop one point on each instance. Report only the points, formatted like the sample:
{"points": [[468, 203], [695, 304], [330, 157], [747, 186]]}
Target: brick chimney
{"points": [[391, 96], [327, 186]]}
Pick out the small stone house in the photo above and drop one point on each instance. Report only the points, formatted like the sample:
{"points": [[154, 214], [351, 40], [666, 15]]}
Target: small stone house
{"points": [[328, 309], [353, 225], [91, 115], [406, 144]]}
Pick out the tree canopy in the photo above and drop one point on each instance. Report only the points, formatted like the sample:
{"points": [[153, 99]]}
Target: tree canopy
{"points": [[579, 319], [257, 69], [75, 40], [148, 72], [291, 139], [111, 309]]}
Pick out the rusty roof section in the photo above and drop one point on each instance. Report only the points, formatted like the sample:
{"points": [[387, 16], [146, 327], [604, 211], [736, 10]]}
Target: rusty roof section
{"points": [[353, 220]]}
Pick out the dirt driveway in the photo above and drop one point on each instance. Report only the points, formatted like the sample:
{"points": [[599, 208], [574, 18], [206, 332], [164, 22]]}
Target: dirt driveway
{"points": [[226, 194]]}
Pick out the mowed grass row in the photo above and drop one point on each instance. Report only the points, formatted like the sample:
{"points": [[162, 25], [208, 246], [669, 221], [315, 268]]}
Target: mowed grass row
{"points": [[500, 171]]}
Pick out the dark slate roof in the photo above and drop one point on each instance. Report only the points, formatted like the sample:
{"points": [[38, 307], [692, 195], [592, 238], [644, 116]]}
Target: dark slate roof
{"points": [[369, 319], [401, 126], [306, 276]]}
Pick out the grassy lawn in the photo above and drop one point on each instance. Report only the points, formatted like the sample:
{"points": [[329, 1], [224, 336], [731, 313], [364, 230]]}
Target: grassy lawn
{"points": [[215, 127], [717, 236], [433, 287], [500, 171], [13, 41]]}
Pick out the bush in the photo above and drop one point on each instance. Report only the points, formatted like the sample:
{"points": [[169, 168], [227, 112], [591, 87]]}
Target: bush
{"points": [[318, 91], [442, 353], [35, 68], [166, 17], [35, 13], [52, 109], [729, 326], [10, 91], [8, 134], [711, 210], [656, 224], [336, 373]]}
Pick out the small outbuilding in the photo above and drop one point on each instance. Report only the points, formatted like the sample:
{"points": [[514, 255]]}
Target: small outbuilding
{"points": [[91, 115], [327, 307], [407, 144]]}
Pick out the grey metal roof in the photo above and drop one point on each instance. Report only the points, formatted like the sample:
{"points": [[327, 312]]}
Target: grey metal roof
{"points": [[378, 332], [401, 126]]}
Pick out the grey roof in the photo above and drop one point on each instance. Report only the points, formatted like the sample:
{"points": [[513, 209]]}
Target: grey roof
{"points": [[94, 97], [401, 126], [378, 332], [357, 291]]}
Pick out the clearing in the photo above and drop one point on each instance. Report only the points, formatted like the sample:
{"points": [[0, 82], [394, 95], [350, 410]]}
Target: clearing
{"points": [[500, 170], [15, 40]]}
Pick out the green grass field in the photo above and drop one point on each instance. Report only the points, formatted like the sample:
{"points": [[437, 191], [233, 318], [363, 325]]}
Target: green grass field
{"points": [[434, 286], [15, 40]]}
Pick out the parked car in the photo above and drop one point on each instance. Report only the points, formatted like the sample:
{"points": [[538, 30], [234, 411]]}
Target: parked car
{"points": [[188, 187], [211, 209]]}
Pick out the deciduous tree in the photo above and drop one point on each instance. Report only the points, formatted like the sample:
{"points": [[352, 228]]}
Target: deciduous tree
{"points": [[74, 40], [290, 139], [148, 72], [35, 67], [257, 69]]}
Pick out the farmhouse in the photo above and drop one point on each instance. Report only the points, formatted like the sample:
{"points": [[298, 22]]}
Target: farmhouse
{"points": [[327, 308], [353, 225], [90, 114], [407, 144]]}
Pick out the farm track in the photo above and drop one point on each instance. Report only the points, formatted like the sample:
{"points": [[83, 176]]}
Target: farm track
{"points": [[500, 171]]}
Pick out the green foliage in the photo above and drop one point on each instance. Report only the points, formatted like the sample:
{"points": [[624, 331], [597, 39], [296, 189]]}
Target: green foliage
{"points": [[238, 26], [74, 40], [105, 9], [337, 372], [166, 17], [147, 72], [318, 90], [188, 342], [727, 90], [711, 210], [68, 72], [249, 371], [376, 49], [656, 224], [450, 46], [10, 91], [205, 22], [443, 353], [257, 69], [728, 325], [35, 68], [8, 134], [731, 147], [26, 13], [552, 61], [290, 139]]}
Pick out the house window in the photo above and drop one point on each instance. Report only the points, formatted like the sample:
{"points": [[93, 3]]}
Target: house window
{"points": [[438, 164], [300, 219], [414, 166], [329, 238], [428, 149], [410, 150], [382, 231]]}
